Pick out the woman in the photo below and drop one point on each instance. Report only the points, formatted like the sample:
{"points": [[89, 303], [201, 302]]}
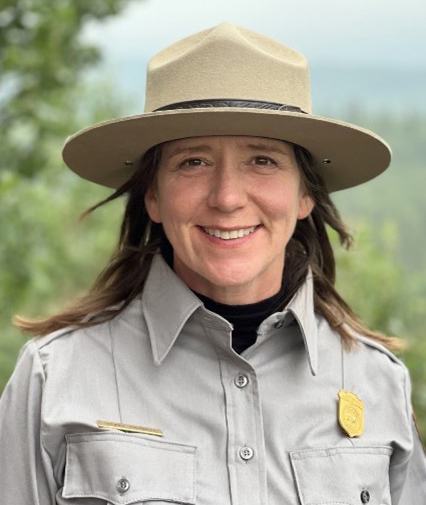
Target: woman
{"points": [[213, 362]]}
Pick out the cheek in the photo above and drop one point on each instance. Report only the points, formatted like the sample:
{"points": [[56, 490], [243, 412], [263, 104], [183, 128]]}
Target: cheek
{"points": [[174, 213], [283, 203], [183, 203], [166, 203]]}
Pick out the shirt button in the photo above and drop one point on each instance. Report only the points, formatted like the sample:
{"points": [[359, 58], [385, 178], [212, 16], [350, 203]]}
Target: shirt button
{"points": [[246, 453], [241, 380], [365, 496], [279, 324], [123, 485]]}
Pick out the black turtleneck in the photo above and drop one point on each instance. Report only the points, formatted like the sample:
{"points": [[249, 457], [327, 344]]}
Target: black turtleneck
{"points": [[246, 319]]}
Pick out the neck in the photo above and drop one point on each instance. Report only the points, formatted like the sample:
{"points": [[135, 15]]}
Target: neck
{"points": [[236, 295]]}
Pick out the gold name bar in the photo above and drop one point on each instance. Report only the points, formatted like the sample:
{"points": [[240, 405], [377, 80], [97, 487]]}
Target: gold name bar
{"points": [[131, 428]]}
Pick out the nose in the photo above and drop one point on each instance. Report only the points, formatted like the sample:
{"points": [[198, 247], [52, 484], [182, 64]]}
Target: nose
{"points": [[227, 192]]}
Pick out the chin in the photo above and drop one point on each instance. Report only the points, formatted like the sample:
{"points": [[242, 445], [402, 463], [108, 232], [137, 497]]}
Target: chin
{"points": [[230, 277]]}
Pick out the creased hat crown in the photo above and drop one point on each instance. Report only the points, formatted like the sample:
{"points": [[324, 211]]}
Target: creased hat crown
{"points": [[228, 62]]}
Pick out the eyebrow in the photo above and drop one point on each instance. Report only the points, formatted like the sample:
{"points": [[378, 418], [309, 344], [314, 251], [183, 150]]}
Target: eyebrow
{"points": [[266, 147], [190, 149], [206, 148]]}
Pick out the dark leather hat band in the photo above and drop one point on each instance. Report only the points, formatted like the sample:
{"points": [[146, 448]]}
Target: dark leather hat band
{"points": [[244, 104]]}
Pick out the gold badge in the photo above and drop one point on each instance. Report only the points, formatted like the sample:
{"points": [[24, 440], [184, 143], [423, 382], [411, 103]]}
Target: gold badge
{"points": [[130, 428], [351, 413]]}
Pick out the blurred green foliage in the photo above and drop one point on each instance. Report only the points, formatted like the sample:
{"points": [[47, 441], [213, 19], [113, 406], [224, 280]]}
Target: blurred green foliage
{"points": [[47, 256], [41, 62]]}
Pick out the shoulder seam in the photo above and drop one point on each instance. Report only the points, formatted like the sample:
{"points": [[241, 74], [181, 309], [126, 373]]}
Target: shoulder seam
{"points": [[41, 342], [380, 347]]}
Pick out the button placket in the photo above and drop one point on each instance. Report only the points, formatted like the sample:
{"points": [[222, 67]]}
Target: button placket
{"points": [[243, 421]]}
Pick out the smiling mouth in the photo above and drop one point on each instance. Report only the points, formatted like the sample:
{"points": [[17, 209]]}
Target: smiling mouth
{"points": [[229, 234]]}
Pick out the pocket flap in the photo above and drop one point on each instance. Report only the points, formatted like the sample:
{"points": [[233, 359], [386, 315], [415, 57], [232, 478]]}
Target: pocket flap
{"points": [[122, 468], [346, 475]]}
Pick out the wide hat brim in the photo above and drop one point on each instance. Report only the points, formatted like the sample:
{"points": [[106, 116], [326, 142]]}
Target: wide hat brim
{"points": [[345, 155]]}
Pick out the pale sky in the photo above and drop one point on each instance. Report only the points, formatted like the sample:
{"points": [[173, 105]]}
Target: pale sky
{"points": [[373, 34], [391, 32]]}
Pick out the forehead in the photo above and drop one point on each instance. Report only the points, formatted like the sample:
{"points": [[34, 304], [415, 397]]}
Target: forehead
{"points": [[237, 142]]}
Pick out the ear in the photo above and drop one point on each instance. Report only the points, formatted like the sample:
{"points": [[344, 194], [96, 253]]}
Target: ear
{"points": [[152, 205], [306, 206]]}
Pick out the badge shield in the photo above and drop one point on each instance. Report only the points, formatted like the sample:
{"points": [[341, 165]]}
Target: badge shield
{"points": [[351, 413]]}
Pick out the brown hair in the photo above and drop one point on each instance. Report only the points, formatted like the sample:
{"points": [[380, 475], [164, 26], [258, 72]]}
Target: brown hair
{"points": [[309, 248]]}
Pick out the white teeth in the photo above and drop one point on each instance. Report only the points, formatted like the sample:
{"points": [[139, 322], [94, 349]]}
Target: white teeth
{"points": [[229, 235]]}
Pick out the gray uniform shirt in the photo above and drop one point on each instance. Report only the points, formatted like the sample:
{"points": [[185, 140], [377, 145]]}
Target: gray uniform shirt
{"points": [[260, 428]]}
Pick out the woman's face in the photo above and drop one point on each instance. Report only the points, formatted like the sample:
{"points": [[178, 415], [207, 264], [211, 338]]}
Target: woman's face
{"points": [[228, 206]]}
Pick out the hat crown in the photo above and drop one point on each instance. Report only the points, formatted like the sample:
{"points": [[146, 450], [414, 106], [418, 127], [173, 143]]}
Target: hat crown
{"points": [[228, 62]]}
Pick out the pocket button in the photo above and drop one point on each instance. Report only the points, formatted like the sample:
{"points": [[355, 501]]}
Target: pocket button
{"points": [[123, 485], [365, 496]]}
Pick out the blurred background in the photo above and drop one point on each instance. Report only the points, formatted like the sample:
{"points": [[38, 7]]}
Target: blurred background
{"points": [[69, 63]]}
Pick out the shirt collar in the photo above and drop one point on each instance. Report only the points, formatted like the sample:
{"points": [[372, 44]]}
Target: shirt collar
{"points": [[302, 308], [167, 304]]}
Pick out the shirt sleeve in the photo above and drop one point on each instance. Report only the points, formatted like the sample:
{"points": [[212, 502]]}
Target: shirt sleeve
{"points": [[414, 490], [26, 474]]}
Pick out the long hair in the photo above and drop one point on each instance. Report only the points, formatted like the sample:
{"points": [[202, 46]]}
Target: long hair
{"points": [[140, 239]]}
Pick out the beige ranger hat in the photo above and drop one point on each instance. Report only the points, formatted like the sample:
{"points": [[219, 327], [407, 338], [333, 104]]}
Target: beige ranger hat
{"points": [[227, 81]]}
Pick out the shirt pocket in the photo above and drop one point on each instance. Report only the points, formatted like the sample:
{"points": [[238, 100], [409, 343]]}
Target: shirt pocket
{"points": [[122, 469], [342, 476]]}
